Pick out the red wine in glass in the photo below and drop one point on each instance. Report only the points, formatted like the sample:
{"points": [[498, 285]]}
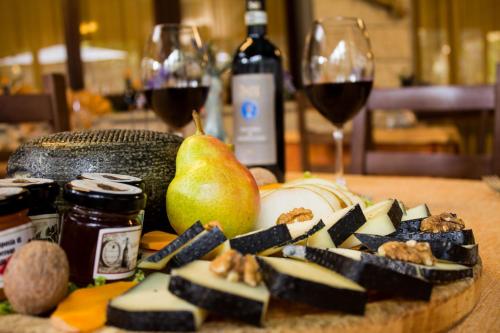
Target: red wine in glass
{"points": [[339, 101], [175, 105], [338, 73]]}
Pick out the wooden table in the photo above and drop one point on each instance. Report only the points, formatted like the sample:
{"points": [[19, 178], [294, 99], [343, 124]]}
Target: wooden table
{"points": [[474, 201]]}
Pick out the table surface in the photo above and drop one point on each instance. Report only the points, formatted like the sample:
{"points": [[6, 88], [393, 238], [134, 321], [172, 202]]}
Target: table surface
{"points": [[474, 201]]}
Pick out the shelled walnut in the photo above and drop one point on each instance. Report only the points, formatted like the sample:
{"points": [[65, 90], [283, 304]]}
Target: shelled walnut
{"points": [[411, 251], [235, 267], [295, 215], [442, 223]]}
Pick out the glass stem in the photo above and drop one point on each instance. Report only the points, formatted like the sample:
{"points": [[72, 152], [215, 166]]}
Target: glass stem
{"points": [[338, 137]]}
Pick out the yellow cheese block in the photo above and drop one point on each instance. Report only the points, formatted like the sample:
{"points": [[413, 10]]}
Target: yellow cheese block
{"points": [[156, 240], [85, 309]]}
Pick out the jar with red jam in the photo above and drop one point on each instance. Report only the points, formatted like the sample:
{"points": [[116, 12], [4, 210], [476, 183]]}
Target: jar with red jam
{"points": [[42, 211], [15, 226], [101, 230]]}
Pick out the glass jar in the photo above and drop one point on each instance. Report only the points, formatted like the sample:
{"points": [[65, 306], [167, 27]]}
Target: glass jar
{"points": [[101, 230], [15, 226], [42, 211], [113, 177]]}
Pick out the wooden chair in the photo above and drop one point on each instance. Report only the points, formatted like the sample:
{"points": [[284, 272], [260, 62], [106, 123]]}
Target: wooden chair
{"points": [[51, 106], [438, 99]]}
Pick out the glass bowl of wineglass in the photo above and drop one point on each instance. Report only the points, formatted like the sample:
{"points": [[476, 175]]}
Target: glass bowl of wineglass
{"points": [[174, 73], [337, 72]]}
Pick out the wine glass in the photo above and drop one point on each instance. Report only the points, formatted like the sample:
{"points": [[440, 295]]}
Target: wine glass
{"points": [[337, 72], [174, 73]]}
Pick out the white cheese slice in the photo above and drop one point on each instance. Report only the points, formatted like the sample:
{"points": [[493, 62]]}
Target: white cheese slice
{"points": [[377, 222], [417, 212], [198, 272], [152, 295], [161, 264], [322, 238], [311, 272]]}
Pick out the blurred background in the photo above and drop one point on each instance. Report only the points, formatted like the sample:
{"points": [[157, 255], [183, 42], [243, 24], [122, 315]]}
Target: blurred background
{"points": [[98, 46]]}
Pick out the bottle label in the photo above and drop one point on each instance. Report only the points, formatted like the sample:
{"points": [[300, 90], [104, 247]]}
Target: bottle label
{"points": [[254, 118], [256, 17], [116, 253], [10, 240], [46, 227]]}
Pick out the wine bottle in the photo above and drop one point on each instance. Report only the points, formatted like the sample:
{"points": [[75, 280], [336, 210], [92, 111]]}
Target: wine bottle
{"points": [[257, 95]]}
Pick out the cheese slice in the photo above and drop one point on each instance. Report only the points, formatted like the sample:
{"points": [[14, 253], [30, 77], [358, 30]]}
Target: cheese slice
{"points": [[198, 272], [381, 219], [196, 284], [311, 272], [150, 306], [417, 212]]}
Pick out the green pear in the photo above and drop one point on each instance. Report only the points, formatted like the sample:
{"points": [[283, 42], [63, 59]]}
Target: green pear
{"points": [[210, 184]]}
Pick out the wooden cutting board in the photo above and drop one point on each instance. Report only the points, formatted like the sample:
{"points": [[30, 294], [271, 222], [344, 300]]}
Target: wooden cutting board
{"points": [[449, 305]]}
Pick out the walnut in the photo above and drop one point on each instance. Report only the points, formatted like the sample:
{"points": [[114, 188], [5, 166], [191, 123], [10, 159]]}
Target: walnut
{"points": [[235, 267], [295, 215], [251, 272], [411, 251], [213, 224], [442, 223]]}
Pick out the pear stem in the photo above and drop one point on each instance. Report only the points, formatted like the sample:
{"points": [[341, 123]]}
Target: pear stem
{"points": [[197, 122]]}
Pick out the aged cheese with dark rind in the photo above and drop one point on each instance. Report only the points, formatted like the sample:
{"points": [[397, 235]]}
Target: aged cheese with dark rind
{"points": [[458, 237], [196, 284], [461, 254], [346, 226], [439, 273], [312, 284], [372, 277], [149, 306], [144, 154]]}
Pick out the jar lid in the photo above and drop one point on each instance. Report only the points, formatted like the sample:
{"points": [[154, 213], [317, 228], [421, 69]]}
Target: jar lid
{"points": [[41, 189], [105, 195], [113, 177], [13, 200]]}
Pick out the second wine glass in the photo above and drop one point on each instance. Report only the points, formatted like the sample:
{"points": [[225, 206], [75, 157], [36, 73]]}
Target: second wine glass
{"points": [[174, 73], [337, 71]]}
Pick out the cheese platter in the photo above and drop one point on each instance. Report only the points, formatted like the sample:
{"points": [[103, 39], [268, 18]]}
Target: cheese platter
{"points": [[305, 255]]}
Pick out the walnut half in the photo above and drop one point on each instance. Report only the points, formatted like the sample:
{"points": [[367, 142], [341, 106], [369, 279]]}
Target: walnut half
{"points": [[295, 215], [235, 267], [442, 223], [411, 251]]}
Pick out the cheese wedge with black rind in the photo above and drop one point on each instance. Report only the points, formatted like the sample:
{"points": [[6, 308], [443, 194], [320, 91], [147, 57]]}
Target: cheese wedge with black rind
{"points": [[417, 213], [439, 273], [270, 240], [461, 254], [348, 263], [177, 243], [198, 248], [149, 306], [347, 225], [297, 240], [196, 284], [322, 238], [458, 237], [261, 240], [312, 284], [382, 218]]}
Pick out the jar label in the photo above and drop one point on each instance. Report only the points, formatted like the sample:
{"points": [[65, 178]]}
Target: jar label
{"points": [[116, 253], [46, 227], [10, 240]]}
